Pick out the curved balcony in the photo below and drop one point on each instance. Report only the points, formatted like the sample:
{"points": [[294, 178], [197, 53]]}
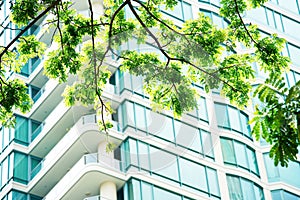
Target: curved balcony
{"points": [[86, 176], [84, 137]]}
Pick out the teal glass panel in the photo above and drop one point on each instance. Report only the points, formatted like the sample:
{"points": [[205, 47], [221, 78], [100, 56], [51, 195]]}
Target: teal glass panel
{"points": [[277, 195], [134, 190], [278, 21], [161, 194], [202, 109], [291, 5], [21, 130], [234, 119], [270, 17], [193, 174], [291, 27], [129, 114], [147, 191], [5, 137], [133, 152], [144, 161], [207, 144], [290, 196], [272, 171], [252, 160], [258, 192], [160, 125], [137, 84], [140, 117], [240, 153], [258, 15], [228, 151], [5, 174], [213, 181], [234, 188], [20, 168], [222, 117], [294, 53], [248, 192], [187, 136], [187, 11], [164, 164], [245, 124], [16, 195]]}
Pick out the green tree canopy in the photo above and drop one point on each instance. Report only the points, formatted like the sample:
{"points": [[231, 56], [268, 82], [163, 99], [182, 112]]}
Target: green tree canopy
{"points": [[197, 52]]}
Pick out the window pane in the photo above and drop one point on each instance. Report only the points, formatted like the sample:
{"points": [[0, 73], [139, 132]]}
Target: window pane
{"points": [[147, 191], [240, 154], [247, 188], [221, 114], [187, 11], [213, 181], [258, 15], [207, 143], [164, 164], [187, 136], [202, 109], [160, 125], [294, 53], [21, 129], [291, 27], [21, 168], [193, 174], [140, 117], [234, 187], [161, 194], [252, 160], [4, 166], [143, 156], [234, 119], [245, 124], [228, 151], [278, 21], [133, 152]]}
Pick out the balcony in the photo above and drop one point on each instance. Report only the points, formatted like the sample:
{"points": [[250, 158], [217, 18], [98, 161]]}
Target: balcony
{"points": [[86, 176], [84, 137]]}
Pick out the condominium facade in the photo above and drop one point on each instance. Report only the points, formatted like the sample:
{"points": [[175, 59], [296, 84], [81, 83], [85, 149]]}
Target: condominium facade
{"points": [[57, 152]]}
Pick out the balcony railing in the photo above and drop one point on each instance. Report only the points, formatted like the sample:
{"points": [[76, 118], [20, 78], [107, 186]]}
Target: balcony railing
{"points": [[103, 161], [98, 197]]}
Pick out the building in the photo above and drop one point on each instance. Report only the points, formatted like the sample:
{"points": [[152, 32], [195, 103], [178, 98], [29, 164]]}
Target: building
{"points": [[57, 152]]}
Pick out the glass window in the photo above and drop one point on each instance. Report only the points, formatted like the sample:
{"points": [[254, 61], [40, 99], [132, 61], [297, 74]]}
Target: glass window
{"points": [[291, 5], [221, 114], [248, 190], [240, 153], [258, 15], [234, 187], [21, 130], [234, 119], [21, 168], [213, 181], [270, 17], [291, 27], [143, 156], [187, 11], [140, 117], [228, 151], [193, 174], [289, 175], [245, 124], [147, 191], [278, 21], [129, 114], [294, 53], [5, 171], [187, 136], [241, 188], [163, 194], [160, 125], [202, 109], [207, 144]]}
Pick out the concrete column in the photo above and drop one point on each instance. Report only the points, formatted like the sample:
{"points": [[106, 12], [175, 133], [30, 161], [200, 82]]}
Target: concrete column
{"points": [[108, 191]]}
